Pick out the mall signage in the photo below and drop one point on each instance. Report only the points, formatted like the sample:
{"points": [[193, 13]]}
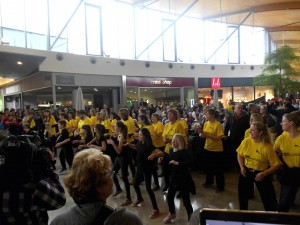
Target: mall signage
{"points": [[159, 82], [215, 82]]}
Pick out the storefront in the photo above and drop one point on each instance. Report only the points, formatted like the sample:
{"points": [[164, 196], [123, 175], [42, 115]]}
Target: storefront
{"points": [[236, 89], [159, 91]]}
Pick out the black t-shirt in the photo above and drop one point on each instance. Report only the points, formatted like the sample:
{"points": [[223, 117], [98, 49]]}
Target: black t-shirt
{"points": [[143, 152], [63, 136]]}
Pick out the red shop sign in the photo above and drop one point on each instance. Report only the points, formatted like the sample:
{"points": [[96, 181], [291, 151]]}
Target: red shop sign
{"points": [[215, 82]]}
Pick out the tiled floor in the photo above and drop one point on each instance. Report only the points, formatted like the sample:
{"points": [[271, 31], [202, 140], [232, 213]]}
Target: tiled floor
{"points": [[205, 197]]}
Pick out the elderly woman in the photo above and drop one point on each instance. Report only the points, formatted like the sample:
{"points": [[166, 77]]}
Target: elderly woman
{"points": [[89, 184]]}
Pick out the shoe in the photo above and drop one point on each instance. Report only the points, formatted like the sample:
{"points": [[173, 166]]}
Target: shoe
{"points": [[206, 185], [62, 171], [155, 188], [137, 202], [165, 189], [218, 190], [126, 203], [155, 213], [169, 218], [117, 193]]}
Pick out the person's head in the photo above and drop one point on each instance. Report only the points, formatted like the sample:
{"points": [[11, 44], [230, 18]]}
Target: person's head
{"points": [[71, 115], [90, 178], [252, 108], [93, 112], [99, 129], [87, 129], [259, 132], [145, 136], [114, 116], [178, 142], [238, 108], [211, 114], [290, 121], [104, 114], [255, 117], [123, 113], [263, 109], [81, 114], [143, 120], [154, 117], [120, 127], [172, 115], [61, 124], [62, 116]]}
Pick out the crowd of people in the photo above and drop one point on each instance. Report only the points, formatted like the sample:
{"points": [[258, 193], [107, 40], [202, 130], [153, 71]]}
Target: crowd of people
{"points": [[259, 140]]}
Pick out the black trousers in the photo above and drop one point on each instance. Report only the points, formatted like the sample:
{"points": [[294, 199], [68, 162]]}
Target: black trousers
{"points": [[139, 177], [265, 188], [121, 162], [290, 181], [213, 162], [185, 194], [66, 154]]}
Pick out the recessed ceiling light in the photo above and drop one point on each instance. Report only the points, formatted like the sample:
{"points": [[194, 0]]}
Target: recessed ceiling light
{"points": [[19, 63], [58, 88]]}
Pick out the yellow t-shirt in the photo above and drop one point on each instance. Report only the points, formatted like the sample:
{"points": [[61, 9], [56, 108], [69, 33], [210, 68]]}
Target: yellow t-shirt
{"points": [[169, 131], [258, 156], [247, 133], [151, 130], [94, 120], [158, 128], [50, 126], [113, 123], [213, 128], [289, 148], [107, 125], [85, 121], [130, 128]]}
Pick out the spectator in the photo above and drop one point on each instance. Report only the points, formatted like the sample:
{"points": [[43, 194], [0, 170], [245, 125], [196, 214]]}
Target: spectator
{"points": [[89, 184]]}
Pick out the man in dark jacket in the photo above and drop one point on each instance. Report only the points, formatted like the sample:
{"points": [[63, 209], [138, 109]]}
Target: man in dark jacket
{"points": [[239, 123]]}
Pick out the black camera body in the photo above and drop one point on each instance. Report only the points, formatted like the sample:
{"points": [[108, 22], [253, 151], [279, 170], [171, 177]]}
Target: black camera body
{"points": [[21, 161]]}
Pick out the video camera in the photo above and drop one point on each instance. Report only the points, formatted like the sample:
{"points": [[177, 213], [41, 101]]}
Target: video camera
{"points": [[22, 160]]}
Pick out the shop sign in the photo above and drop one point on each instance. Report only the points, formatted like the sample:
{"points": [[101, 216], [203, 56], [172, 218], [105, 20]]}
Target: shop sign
{"points": [[159, 82], [215, 82]]}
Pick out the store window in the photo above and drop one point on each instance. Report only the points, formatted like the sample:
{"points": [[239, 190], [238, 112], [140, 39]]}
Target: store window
{"points": [[224, 95], [243, 94], [264, 91]]}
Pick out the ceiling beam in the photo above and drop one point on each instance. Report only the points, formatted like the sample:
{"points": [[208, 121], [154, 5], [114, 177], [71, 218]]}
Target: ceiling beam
{"points": [[258, 9], [287, 41], [276, 6], [283, 28]]}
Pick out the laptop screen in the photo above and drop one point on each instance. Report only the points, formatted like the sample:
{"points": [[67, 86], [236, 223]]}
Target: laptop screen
{"points": [[238, 217]]}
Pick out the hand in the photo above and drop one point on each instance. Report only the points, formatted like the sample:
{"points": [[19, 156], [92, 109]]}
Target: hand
{"points": [[243, 172], [160, 159], [174, 162], [151, 157], [57, 145], [110, 141], [260, 176]]}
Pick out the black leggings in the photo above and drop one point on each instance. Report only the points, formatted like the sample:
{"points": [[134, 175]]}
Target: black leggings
{"points": [[139, 177], [122, 163], [66, 154]]}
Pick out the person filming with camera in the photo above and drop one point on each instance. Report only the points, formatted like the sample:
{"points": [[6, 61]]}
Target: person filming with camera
{"points": [[28, 187]]}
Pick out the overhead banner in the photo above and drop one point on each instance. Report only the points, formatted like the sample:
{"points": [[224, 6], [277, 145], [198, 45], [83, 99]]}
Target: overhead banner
{"points": [[159, 82]]}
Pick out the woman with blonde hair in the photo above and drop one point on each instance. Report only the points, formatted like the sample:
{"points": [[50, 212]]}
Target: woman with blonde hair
{"points": [[257, 160], [90, 183], [180, 178], [288, 146]]}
